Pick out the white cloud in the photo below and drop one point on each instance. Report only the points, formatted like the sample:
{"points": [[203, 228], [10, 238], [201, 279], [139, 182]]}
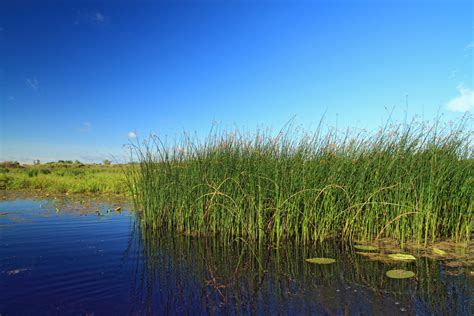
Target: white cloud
{"points": [[98, 17], [464, 101], [90, 18], [33, 83], [469, 49], [132, 135], [86, 127], [453, 73]]}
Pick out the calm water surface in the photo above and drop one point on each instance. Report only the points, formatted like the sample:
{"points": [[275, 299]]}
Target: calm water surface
{"points": [[59, 258]]}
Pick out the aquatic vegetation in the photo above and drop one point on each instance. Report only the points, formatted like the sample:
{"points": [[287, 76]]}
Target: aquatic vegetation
{"points": [[321, 260], [375, 256], [365, 247], [410, 182], [399, 274], [386, 257], [401, 256], [452, 255], [225, 271], [439, 252]]}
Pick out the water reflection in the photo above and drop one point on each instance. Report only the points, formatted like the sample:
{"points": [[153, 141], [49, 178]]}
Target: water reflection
{"points": [[202, 275], [74, 262]]}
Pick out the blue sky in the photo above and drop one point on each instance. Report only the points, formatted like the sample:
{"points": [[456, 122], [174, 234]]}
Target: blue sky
{"points": [[78, 78]]}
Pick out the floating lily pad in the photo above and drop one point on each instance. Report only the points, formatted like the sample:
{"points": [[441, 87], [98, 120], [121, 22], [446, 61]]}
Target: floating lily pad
{"points": [[439, 252], [321, 260], [472, 273], [401, 256], [365, 247], [400, 274]]}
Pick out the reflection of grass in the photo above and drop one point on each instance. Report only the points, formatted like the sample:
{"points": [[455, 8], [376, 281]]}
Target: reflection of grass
{"points": [[244, 277], [65, 178], [407, 182]]}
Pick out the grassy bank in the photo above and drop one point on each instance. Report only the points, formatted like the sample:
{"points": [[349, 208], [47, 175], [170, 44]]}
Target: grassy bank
{"points": [[408, 182], [64, 177]]}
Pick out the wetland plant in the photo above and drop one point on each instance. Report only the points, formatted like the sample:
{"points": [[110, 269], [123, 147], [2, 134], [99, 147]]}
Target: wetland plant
{"points": [[408, 182]]}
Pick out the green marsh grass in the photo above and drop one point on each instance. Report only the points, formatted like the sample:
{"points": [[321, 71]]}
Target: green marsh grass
{"points": [[409, 182], [66, 178]]}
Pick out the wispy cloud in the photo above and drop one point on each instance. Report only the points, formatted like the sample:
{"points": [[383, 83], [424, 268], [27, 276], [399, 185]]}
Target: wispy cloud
{"points": [[469, 49], [453, 74], [86, 127], [464, 101], [98, 17], [132, 135], [33, 83], [90, 17]]}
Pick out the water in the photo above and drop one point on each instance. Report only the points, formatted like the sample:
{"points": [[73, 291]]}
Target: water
{"points": [[57, 258]]}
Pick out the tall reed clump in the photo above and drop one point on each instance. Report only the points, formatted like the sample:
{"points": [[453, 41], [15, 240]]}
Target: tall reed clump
{"points": [[410, 182]]}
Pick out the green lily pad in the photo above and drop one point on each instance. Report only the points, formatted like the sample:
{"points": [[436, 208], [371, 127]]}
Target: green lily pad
{"points": [[399, 274], [439, 252], [401, 256], [321, 260], [365, 247]]}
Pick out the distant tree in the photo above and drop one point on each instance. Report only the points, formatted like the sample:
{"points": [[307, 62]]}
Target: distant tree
{"points": [[36, 162], [106, 162]]}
